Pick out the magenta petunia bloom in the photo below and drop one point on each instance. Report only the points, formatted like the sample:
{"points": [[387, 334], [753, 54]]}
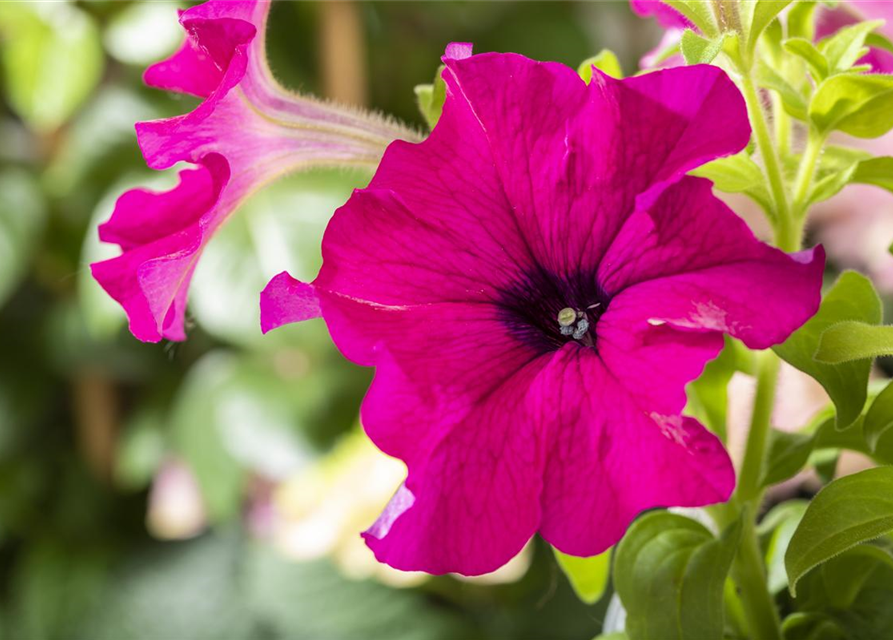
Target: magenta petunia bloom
{"points": [[247, 132], [536, 283]]}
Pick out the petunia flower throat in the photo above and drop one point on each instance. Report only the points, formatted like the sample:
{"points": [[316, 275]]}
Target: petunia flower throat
{"points": [[535, 284], [247, 132]]}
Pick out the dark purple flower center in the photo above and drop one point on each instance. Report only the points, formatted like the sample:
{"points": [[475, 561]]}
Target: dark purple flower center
{"points": [[547, 311]]}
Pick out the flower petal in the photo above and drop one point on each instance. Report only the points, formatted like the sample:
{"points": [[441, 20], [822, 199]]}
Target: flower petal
{"points": [[666, 15], [285, 300], [473, 503], [611, 458]]}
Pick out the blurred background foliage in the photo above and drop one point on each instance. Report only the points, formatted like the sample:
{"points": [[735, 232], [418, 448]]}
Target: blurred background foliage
{"points": [[216, 488]]}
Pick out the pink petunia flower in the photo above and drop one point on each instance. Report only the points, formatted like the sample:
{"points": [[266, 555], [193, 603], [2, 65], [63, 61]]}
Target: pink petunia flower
{"points": [[247, 132], [666, 15], [536, 283]]}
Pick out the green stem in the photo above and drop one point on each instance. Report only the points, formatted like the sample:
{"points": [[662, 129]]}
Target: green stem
{"points": [[766, 148], [782, 126], [805, 173], [749, 574], [757, 437]]}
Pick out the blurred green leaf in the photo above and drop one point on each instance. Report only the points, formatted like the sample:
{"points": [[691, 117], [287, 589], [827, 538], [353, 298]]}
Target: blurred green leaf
{"points": [[847, 45], [848, 341], [806, 51], [762, 13], [848, 511], [698, 13], [143, 32], [588, 576], [230, 415], [279, 228], [175, 590], [879, 418], [811, 626], [430, 98], [708, 394], [52, 60], [801, 20], [670, 573], [779, 525], [733, 174], [793, 100], [876, 171], [851, 298], [22, 219], [140, 450], [698, 50], [860, 105], [310, 601], [606, 61], [787, 455]]}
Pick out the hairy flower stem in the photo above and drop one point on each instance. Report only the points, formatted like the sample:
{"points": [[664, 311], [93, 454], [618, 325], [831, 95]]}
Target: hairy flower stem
{"points": [[768, 153], [749, 570], [805, 173]]}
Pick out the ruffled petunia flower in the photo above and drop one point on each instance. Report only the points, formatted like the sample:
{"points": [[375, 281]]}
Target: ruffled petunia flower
{"points": [[247, 132], [535, 284]]}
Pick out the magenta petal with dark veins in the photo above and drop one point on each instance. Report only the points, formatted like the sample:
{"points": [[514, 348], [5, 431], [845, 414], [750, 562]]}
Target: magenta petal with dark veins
{"points": [[536, 193]]}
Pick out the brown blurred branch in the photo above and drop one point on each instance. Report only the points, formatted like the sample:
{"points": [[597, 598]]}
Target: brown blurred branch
{"points": [[96, 414], [343, 52]]}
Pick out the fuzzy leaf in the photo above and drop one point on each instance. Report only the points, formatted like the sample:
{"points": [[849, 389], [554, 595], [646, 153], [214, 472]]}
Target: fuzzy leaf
{"points": [[805, 50], [849, 341], [763, 13], [845, 47], [851, 298], [670, 573], [847, 512], [698, 50], [860, 105], [794, 102], [697, 12]]}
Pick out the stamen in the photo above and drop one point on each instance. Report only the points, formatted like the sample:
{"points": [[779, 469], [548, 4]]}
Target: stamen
{"points": [[566, 317]]}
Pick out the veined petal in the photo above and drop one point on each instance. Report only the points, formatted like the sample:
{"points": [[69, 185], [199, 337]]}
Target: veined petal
{"points": [[611, 457], [246, 133]]}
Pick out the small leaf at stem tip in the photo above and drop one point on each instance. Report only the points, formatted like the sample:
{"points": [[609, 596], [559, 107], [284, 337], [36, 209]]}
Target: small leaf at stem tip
{"points": [[605, 61], [845, 47], [845, 513], [588, 576], [851, 298]]}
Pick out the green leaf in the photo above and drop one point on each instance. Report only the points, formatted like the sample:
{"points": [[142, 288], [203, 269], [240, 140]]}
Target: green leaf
{"points": [[794, 102], [708, 394], [850, 510], [779, 524], [849, 341], [430, 98], [860, 105], [879, 419], [830, 185], [279, 228], [805, 50], [733, 174], [801, 22], [22, 219], [52, 60], [605, 61], [845, 47], [764, 12], [588, 576], [845, 575], [787, 455], [851, 298], [879, 41], [670, 573], [698, 50], [698, 13], [811, 626], [876, 171]]}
